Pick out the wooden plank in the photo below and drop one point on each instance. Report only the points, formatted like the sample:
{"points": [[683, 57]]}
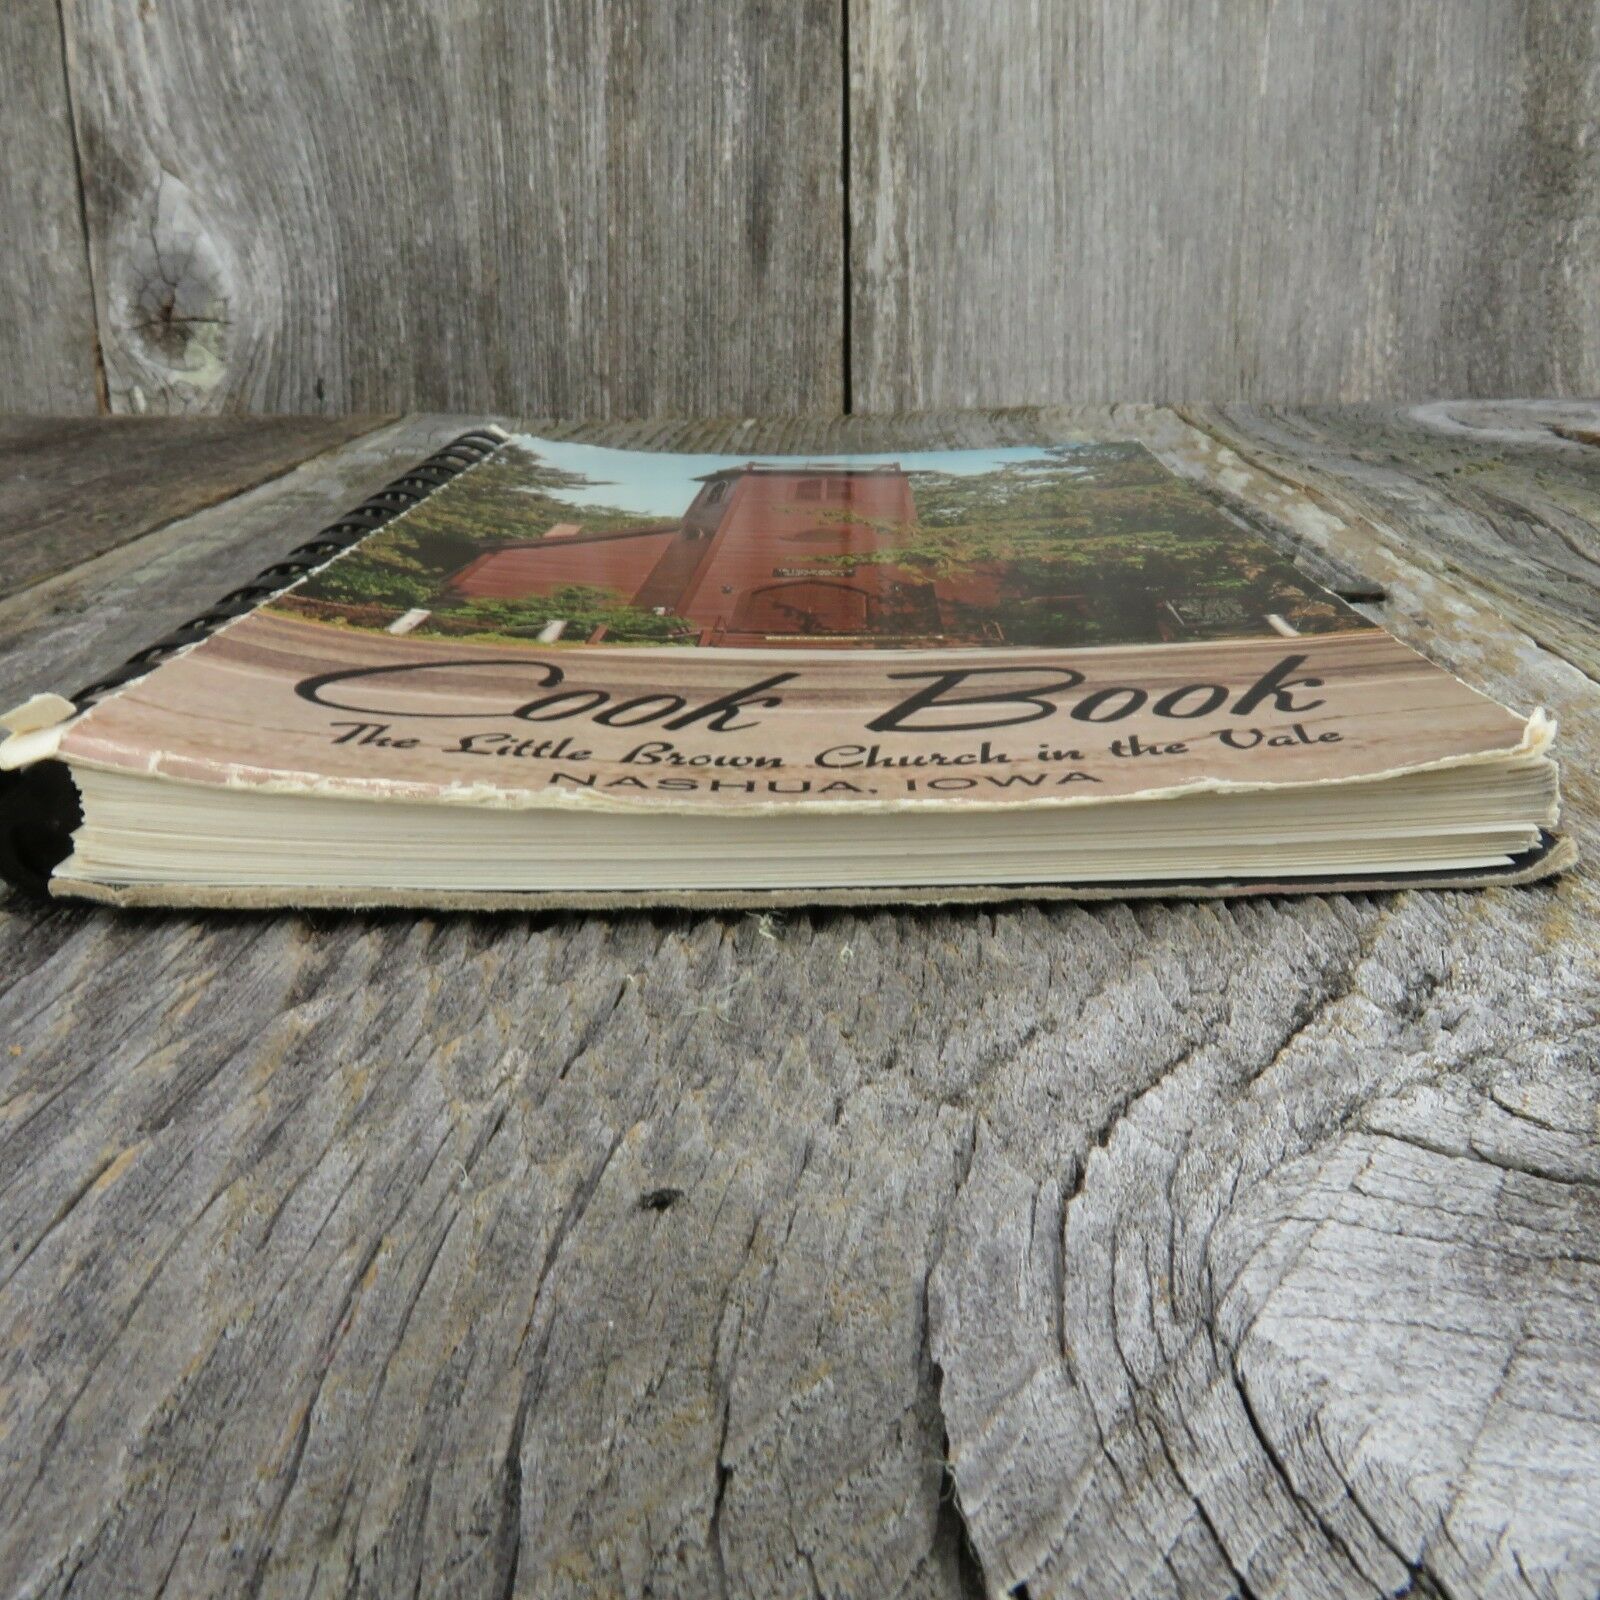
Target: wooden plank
{"points": [[70, 629], [600, 210], [1176, 200], [72, 490], [1162, 1249], [1509, 491], [47, 338]]}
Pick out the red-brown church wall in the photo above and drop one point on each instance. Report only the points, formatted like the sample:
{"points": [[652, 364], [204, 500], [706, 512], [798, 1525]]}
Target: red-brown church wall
{"points": [[526, 570], [776, 529]]}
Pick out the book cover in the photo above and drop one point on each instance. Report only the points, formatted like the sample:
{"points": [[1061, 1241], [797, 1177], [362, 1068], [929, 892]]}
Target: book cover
{"points": [[568, 626]]}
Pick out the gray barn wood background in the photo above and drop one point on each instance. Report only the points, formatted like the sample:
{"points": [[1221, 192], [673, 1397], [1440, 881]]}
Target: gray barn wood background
{"points": [[622, 207]]}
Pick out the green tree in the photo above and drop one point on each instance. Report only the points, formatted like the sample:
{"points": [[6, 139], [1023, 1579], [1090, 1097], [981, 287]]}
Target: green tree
{"points": [[1134, 546], [583, 607], [509, 499]]}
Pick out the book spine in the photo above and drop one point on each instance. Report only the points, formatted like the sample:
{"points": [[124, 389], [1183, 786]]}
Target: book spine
{"points": [[39, 809]]}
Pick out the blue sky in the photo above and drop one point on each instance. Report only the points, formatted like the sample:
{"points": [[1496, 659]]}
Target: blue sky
{"points": [[661, 485]]}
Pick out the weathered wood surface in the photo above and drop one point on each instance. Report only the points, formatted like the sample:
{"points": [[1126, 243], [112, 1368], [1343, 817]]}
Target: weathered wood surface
{"points": [[1181, 200], [47, 349], [299, 205], [1477, 491], [1169, 1249], [296, 206], [72, 490]]}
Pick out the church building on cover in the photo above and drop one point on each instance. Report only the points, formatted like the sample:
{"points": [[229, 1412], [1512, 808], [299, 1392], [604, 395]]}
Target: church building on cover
{"points": [[762, 557]]}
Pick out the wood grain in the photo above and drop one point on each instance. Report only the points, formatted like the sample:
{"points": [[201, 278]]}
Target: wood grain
{"points": [[47, 342], [600, 209], [634, 209], [72, 490], [1170, 1249], [1509, 491], [1176, 200]]}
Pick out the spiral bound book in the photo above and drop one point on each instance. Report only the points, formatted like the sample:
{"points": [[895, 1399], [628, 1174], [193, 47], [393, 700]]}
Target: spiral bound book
{"points": [[539, 672]]}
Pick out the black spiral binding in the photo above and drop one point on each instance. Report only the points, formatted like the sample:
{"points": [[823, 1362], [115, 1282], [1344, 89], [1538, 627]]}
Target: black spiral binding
{"points": [[39, 809]]}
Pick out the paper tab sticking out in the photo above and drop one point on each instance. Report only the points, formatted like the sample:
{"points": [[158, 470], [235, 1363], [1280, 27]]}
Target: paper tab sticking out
{"points": [[40, 711], [35, 729]]}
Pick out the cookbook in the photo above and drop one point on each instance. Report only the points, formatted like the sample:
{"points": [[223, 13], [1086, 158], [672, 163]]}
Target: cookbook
{"points": [[537, 671]]}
